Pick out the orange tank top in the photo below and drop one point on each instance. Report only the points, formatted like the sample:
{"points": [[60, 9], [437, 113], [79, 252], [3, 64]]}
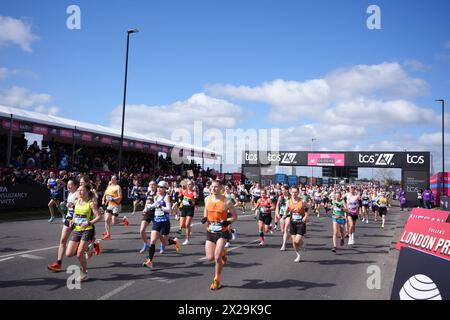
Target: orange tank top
{"points": [[215, 212], [299, 206]]}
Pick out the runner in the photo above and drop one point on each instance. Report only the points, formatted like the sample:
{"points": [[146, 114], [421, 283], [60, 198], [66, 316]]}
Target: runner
{"points": [[161, 224], [230, 196], [338, 218], [365, 201], [148, 214], [265, 208], [317, 201], [326, 200], [280, 211], [383, 203], [273, 196], [351, 202], [66, 230], [298, 210], [136, 193], [55, 186], [112, 199], [242, 197], [374, 200], [216, 218], [256, 195], [83, 222], [189, 197], [176, 202]]}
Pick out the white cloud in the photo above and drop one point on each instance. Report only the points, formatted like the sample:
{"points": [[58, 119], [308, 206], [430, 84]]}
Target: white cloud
{"points": [[16, 31], [5, 73], [434, 139], [161, 121], [292, 101], [416, 65], [19, 97]]}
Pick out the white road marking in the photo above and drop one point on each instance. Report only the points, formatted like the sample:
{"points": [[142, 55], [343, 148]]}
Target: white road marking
{"points": [[116, 291], [25, 252], [6, 259], [30, 256]]}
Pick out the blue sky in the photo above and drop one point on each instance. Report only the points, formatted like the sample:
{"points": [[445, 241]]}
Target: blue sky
{"points": [[188, 47]]}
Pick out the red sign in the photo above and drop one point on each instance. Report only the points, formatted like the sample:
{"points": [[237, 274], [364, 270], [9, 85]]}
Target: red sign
{"points": [[427, 231], [66, 133], [154, 147], [125, 143], [86, 136], [106, 140], [5, 124], [326, 159], [139, 145], [40, 129]]}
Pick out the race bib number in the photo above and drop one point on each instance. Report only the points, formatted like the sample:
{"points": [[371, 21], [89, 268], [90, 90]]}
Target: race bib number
{"points": [[186, 203], [283, 210], [159, 213], [215, 227], [109, 198], [263, 210], [69, 214], [297, 218], [80, 220]]}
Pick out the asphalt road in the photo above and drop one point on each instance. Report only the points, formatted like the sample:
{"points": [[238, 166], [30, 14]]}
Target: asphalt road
{"points": [[252, 272]]}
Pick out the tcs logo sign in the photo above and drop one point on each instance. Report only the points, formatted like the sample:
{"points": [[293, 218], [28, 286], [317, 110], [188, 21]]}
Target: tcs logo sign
{"points": [[414, 159]]}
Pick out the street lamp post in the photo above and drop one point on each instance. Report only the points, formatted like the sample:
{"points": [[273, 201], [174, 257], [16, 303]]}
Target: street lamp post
{"points": [[443, 158], [130, 31]]}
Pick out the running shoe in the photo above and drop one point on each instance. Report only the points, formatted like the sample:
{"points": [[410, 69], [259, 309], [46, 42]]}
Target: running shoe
{"points": [[133, 213], [97, 248], [234, 235], [51, 220], [363, 220], [177, 245], [283, 248], [367, 221], [144, 248], [227, 245], [162, 249], [126, 222], [342, 242], [148, 264], [106, 237], [63, 220], [185, 243], [215, 285], [83, 276], [261, 243], [297, 259], [55, 267], [334, 249], [177, 217]]}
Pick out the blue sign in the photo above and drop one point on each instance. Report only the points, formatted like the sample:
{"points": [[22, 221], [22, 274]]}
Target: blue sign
{"points": [[280, 178], [292, 181]]}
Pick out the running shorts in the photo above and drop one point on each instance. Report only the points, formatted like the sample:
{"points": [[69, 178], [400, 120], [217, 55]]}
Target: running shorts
{"points": [[353, 216], [56, 196], [148, 216], [267, 219], [187, 212], [340, 221], [297, 228], [87, 235], [162, 227], [382, 211], [374, 208], [213, 237], [114, 210]]}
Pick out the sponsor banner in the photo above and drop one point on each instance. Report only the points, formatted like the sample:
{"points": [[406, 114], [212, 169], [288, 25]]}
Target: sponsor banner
{"points": [[40, 129], [116, 141], [326, 159], [23, 196], [125, 144], [302, 180], [251, 174], [139, 145], [421, 276], [427, 231], [53, 131], [282, 158], [25, 127], [153, 147], [106, 140], [292, 181], [413, 182], [280, 178], [15, 126], [86, 136], [66, 133]]}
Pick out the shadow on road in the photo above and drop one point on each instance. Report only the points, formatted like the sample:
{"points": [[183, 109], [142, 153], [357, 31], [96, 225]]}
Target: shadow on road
{"points": [[284, 284]]}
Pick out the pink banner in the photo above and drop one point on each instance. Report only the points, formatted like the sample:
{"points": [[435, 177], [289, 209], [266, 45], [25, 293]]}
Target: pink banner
{"points": [[326, 159], [139, 145], [153, 147], [86, 136], [6, 124], [106, 140], [40, 129], [66, 133]]}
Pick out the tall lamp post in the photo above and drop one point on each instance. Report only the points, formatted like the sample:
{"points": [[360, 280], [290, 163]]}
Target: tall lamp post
{"points": [[130, 31], [443, 158]]}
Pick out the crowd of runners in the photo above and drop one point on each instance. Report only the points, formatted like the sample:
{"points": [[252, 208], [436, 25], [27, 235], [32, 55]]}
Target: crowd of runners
{"points": [[276, 208]]}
